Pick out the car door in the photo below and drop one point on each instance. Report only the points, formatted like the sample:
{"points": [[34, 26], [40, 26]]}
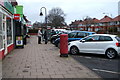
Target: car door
{"points": [[104, 42], [89, 45]]}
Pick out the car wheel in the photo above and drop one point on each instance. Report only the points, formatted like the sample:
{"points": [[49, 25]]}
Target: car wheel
{"points": [[74, 50], [111, 53]]}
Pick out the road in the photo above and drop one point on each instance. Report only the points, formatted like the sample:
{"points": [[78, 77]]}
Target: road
{"points": [[106, 68]]}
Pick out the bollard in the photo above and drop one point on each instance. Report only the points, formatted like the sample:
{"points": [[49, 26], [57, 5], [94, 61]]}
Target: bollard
{"points": [[64, 45]]}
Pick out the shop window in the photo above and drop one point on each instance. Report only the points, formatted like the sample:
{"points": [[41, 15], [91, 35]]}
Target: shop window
{"points": [[9, 30], [1, 32]]}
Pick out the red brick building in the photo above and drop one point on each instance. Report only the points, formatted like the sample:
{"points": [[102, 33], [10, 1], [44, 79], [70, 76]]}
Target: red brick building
{"points": [[116, 22], [95, 24]]}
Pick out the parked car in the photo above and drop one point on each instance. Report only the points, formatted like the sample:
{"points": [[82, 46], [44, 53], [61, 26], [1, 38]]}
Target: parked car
{"points": [[54, 37], [106, 44], [74, 35]]}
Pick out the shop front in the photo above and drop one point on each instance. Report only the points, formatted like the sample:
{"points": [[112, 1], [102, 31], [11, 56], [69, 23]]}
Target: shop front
{"points": [[6, 32]]}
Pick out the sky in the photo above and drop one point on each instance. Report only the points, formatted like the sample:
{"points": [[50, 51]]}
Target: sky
{"points": [[74, 9]]}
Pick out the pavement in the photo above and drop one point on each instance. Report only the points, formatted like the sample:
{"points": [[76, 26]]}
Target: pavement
{"points": [[42, 61]]}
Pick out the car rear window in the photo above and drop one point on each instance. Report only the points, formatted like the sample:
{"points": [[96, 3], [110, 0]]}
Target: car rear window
{"points": [[118, 38]]}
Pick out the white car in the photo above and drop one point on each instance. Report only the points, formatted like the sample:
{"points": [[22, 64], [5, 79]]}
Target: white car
{"points": [[106, 44]]}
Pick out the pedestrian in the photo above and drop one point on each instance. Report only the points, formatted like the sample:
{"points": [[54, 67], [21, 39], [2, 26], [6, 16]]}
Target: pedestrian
{"points": [[39, 36], [46, 37]]}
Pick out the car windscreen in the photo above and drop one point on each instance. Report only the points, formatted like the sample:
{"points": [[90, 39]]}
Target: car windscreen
{"points": [[72, 35], [118, 38]]}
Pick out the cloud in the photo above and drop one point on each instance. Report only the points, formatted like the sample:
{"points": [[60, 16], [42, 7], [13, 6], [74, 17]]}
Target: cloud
{"points": [[74, 9]]}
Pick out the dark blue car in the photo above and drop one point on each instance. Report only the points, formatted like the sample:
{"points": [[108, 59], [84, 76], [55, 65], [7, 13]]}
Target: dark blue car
{"points": [[74, 35]]}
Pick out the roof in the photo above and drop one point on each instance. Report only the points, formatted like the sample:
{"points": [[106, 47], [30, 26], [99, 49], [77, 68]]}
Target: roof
{"points": [[117, 18], [83, 31], [106, 19], [105, 34], [96, 20]]}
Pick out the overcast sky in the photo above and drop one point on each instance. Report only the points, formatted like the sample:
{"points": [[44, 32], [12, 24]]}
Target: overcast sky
{"points": [[74, 9]]}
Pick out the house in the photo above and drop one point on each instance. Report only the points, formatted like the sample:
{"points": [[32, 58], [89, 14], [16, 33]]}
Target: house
{"points": [[116, 22], [95, 25], [105, 23], [75, 25]]}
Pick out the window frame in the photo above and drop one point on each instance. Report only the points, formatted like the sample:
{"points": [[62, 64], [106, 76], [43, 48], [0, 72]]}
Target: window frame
{"points": [[105, 38], [91, 39], [69, 35], [80, 34], [1, 33]]}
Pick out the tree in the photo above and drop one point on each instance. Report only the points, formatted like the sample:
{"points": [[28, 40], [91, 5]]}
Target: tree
{"points": [[56, 17], [37, 24], [88, 21]]}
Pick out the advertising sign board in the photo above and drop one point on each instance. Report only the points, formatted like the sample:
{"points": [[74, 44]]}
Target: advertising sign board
{"points": [[19, 41]]}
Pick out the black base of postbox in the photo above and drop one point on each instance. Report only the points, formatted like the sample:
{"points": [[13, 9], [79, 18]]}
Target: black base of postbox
{"points": [[63, 55]]}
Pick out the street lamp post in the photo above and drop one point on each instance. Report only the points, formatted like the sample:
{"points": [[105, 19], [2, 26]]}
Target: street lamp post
{"points": [[41, 14], [45, 33]]}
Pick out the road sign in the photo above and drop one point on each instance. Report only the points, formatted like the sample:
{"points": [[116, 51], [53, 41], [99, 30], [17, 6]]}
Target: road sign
{"points": [[16, 16]]}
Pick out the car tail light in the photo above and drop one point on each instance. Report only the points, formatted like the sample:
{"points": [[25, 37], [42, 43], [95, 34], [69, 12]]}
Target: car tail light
{"points": [[118, 44]]}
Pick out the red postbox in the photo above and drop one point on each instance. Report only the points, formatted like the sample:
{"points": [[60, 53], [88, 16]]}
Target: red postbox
{"points": [[64, 45]]}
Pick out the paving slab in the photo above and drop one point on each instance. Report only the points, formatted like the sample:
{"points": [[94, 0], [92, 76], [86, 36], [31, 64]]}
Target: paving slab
{"points": [[42, 61]]}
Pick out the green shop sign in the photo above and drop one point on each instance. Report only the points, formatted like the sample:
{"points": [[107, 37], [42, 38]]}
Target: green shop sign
{"points": [[19, 10]]}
